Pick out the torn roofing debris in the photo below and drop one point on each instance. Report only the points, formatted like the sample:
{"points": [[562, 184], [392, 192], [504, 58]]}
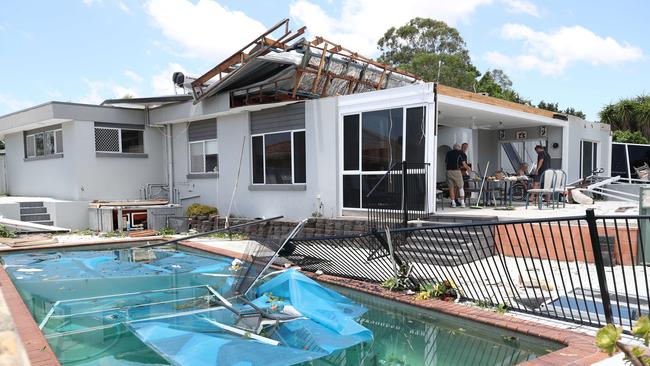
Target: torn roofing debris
{"points": [[287, 68]]}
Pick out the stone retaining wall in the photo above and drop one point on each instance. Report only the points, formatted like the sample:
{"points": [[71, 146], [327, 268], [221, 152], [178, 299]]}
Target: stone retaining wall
{"points": [[315, 227]]}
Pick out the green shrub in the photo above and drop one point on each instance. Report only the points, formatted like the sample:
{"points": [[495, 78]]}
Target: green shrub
{"points": [[630, 137], [5, 233], [608, 339], [197, 209], [166, 231]]}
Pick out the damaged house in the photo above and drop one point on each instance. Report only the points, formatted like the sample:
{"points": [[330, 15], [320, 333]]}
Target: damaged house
{"points": [[285, 126]]}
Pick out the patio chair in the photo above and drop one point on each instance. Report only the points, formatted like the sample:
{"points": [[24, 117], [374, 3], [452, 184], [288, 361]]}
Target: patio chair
{"points": [[547, 187], [559, 188]]}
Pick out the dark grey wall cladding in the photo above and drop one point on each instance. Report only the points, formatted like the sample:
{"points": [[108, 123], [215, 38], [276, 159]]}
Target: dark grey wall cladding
{"points": [[202, 130], [288, 117], [119, 125], [43, 129]]}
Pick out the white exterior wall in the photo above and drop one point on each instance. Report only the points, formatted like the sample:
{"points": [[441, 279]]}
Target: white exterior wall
{"points": [[204, 190], [80, 175], [120, 177], [592, 131], [408, 96], [291, 201], [47, 177]]}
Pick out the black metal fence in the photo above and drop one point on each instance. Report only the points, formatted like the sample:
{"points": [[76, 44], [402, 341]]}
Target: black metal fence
{"points": [[399, 196], [584, 269]]}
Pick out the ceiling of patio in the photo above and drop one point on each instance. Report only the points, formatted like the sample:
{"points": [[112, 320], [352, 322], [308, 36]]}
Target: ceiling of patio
{"points": [[480, 116]]}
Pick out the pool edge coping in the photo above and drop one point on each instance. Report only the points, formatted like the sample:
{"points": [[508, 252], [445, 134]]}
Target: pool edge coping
{"points": [[32, 339], [580, 348]]}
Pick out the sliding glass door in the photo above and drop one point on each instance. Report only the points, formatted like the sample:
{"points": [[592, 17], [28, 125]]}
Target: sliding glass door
{"points": [[588, 157], [375, 140]]}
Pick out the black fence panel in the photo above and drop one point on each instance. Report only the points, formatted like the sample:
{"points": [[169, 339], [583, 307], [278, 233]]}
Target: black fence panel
{"points": [[584, 269], [400, 195]]}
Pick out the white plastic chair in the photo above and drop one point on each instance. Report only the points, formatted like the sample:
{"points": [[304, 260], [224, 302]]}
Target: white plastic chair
{"points": [[547, 187]]}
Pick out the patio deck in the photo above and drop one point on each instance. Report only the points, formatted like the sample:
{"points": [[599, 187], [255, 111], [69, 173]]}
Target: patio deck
{"points": [[520, 211]]}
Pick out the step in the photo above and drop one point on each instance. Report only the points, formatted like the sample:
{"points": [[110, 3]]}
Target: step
{"points": [[438, 260], [35, 217], [30, 204], [33, 210], [44, 222]]}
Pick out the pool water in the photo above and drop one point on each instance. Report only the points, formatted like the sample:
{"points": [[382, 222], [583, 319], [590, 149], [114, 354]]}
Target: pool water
{"points": [[408, 335], [82, 298]]}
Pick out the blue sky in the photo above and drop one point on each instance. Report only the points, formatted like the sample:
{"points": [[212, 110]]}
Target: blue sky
{"points": [[577, 53]]}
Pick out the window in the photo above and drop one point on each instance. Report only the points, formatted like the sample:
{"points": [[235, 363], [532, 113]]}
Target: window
{"points": [[373, 141], [43, 143], [204, 149], [119, 140], [279, 158], [204, 157], [588, 157]]}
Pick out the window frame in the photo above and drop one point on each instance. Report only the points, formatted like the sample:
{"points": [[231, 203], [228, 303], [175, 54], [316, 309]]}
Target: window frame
{"points": [[359, 171], [58, 150], [119, 140], [293, 164], [189, 156], [594, 156]]}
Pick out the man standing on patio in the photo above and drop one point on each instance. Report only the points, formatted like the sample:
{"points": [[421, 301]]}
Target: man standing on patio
{"points": [[543, 164], [454, 160]]}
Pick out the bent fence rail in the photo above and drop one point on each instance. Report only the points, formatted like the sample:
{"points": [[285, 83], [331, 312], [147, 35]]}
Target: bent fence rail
{"points": [[589, 270], [398, 196]]}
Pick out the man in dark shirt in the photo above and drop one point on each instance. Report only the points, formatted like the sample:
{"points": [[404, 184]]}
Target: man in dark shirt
{"points": [[543, 164], [454, 161]]}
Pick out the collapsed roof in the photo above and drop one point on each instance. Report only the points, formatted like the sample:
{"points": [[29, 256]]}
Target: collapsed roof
{"points": [[271, 70]]}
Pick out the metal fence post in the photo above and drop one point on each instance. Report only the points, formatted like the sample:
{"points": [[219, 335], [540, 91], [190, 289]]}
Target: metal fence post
{"points": [[405, 208], [600, 266]]}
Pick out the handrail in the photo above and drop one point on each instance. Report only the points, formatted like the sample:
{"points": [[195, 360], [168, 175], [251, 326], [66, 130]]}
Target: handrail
{"points": [[176, 240], [390, 169]]}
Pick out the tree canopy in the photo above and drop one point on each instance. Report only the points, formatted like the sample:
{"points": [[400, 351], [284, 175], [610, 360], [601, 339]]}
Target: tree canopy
{"points": [[430, 49], [554, 107], [628, 114], [497, 84], [437, 52]]}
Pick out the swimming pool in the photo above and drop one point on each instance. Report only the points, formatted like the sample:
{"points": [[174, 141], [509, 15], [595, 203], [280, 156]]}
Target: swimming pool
{"points": [[88, 300]]}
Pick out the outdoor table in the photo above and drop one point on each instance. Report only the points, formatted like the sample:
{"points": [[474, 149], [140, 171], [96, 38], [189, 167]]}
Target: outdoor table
{"points": [[506, 198]]}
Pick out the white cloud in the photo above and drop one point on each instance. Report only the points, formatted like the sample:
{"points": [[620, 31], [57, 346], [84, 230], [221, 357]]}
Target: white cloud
{"points": [[102, 90], [133, 76], [162, 84], [124, 8], [361, 23], [205, 29], [551, 53], [12, 104], [91, 2], [522, 6]]}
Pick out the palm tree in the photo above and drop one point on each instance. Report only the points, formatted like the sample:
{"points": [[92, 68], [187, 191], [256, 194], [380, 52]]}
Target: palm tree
{"points": [[628, 114]]}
